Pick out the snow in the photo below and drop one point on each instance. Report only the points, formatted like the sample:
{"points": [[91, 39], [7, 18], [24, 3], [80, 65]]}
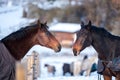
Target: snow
{"points": [[9, 17], [71, 78], [57, 4], [58, 61], [10, 21], [65, 27]]}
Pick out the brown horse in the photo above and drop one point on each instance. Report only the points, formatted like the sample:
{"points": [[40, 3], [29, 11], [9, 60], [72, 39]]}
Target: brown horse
{"points": [[106, 44], [15, 46]]}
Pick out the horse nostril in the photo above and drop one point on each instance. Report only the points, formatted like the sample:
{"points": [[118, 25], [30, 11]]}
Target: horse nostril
{"points": [[75, 52], [59, 48]]}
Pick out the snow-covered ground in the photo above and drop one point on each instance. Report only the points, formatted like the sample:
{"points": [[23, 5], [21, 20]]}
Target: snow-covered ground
{"points": [[11, 20], [58, 63]]}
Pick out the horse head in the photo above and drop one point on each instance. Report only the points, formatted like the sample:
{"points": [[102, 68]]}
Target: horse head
{"points": [[83, 38], [45, 38]]}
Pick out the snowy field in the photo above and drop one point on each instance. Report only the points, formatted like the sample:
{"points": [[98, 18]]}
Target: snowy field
{"points": [[11, 20], [58, 63]]}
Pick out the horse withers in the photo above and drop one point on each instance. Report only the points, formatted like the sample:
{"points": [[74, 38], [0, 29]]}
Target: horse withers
{"points": [[106, 44]]}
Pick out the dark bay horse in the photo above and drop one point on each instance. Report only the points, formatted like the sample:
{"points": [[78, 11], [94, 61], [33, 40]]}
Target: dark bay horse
{"points": [[15, 46], [106, 44]]}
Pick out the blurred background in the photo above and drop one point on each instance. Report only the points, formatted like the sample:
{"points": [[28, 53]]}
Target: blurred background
{"points": [[63, 18]]}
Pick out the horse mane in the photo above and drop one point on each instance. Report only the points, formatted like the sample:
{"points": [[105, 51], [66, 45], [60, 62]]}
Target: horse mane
{"points": [[24, 32], [20, 34], [104, 33]]}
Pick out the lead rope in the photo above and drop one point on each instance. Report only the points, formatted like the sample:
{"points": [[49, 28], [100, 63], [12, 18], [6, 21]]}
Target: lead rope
{"points": [[99, 76]]}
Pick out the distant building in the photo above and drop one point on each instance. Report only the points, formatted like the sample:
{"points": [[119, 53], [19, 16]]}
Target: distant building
{"points": [[65, 33], [65, 38]]}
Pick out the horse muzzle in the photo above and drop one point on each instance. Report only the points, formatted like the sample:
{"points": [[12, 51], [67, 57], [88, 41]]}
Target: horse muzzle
{"points": [[58, 49], [75, 52]]}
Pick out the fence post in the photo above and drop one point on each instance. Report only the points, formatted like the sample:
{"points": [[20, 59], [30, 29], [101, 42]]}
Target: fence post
{"points": [[20, 72]]}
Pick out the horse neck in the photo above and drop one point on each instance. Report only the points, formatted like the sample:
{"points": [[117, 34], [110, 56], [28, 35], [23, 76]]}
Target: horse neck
{"points": [[102, 45], [18, 49]]}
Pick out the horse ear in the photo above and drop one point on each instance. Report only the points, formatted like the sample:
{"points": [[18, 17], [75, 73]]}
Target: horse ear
{"points": [[38, 22], [82, 23], [89, 25]]}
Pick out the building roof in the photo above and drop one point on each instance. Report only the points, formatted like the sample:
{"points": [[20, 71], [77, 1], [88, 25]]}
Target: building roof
{"points": [[65, 27]]}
